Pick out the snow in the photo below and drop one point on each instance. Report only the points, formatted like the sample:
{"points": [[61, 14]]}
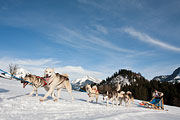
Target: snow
{"points": [[123, 81], [21, 73], [15, 104], [81, 82], [178, 76]]}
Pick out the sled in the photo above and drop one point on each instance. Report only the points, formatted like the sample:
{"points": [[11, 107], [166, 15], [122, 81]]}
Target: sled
{"points": [[155, 103]]}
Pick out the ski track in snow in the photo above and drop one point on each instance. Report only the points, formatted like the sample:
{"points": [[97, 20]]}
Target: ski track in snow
{"points": [[15, 104]]}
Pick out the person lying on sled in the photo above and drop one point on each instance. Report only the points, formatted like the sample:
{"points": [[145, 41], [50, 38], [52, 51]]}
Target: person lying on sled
{"points": [[157, 96]]}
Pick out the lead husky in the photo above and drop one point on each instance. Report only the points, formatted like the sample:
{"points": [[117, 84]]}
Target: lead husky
{"points": [[36, 83], [55, 80]]}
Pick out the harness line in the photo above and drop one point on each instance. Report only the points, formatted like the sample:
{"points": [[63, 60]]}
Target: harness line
{"points": [[19, 79]]}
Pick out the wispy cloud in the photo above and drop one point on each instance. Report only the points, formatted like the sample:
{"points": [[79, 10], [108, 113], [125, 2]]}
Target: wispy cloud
{"points": [[101, 28], [78, 72], [78, 39], [146, 38]]}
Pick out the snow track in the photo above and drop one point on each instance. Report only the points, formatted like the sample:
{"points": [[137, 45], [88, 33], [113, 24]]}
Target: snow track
{"points": [[15, 104]]}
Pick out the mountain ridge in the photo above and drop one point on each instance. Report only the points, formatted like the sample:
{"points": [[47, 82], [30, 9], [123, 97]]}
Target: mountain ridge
{"points": [[173, 78], [81, 82]]}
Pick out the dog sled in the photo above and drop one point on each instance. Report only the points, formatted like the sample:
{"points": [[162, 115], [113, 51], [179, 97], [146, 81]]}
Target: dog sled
{"points": [[155, 103]]}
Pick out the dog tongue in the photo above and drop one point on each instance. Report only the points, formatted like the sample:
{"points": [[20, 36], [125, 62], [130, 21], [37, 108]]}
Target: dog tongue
{"points": [[24, 85], [47, 79]]}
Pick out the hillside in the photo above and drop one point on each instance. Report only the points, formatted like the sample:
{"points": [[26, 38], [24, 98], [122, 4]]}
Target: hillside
{"points": [[16, 105], [142, 88]]}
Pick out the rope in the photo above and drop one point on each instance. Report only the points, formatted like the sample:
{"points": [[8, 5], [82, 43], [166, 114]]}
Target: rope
{"points": [[19, 79]]}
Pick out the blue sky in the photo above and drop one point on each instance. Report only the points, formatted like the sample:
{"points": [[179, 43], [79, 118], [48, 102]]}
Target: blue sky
{"points": [[91, 37]]}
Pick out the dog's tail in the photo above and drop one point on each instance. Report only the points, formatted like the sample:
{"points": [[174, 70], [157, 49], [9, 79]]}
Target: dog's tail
{"points": [[118, 87]]}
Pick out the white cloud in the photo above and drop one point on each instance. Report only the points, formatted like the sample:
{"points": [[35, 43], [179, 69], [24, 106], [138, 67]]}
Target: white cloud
{"points": [[37, 67], [146, 38], [101, 29], [78, 72], [77, 39]]}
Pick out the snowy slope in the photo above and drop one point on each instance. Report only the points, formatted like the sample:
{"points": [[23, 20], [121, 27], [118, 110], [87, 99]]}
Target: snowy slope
{"points": [[16, 105], [78, 83], [122, 80]]}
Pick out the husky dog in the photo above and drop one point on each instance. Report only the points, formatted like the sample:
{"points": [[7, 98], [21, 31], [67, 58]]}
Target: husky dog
{"points": [[126, 97], [131, 98], [56, 81], [36, 83], [111, 93], [120, 97], [92, 93]]}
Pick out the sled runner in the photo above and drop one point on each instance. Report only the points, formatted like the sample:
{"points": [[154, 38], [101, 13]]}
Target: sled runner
{"points": [[155, 103]]}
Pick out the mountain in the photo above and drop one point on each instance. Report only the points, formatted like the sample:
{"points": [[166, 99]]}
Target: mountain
{"points": [[142, 88], [122, 80], [124, 77], [81, 82], [173, 78], [161, 77]]}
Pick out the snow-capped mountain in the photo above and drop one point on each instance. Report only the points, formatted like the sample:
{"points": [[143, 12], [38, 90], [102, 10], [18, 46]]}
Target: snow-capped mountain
{"points": [[81, 82], [122, 80], [124, 77], [174, 77], [161, 77]]}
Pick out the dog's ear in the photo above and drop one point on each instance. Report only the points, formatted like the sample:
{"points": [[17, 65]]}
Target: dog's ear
{"points": [[27, 75]]}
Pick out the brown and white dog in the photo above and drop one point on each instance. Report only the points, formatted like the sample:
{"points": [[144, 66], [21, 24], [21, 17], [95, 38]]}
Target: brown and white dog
{"points": [[120, 97], [92, 93], [126, 97], [110, 93], [131, 98], [56, 81], [36, 83]]}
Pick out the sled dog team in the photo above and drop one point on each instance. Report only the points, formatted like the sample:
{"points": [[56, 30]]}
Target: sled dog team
{"points": [[110, 93], [52, 81]]}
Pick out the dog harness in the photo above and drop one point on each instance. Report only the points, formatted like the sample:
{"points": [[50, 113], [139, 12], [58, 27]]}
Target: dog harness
{"points": [[45, 83]]}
